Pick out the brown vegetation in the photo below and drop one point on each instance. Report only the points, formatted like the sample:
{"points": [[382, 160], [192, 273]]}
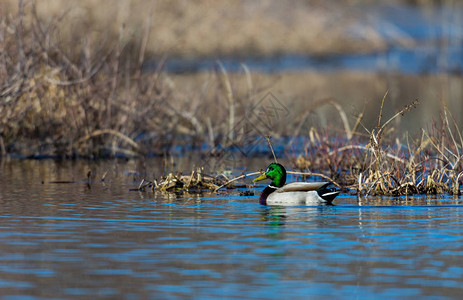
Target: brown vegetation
{"points": [[196, 182], [82, 98], [84, 101], [383, 164]]}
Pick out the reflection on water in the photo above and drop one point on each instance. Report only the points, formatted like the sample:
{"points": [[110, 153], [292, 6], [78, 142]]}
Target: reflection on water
{"points": [[62, 241]]}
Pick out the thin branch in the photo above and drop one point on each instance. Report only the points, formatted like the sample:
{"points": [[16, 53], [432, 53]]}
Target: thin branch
{"points": [[271, 147], [381, 110], [351, 147], [111, 132], [235, 179], [344, 119]]}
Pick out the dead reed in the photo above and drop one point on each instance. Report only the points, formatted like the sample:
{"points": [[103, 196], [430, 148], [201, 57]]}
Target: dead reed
{"points": [[94, 100], [196, 182], [379, 163]]}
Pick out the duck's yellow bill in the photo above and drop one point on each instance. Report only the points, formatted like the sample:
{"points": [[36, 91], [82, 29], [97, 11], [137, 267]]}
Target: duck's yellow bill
{"points": [[261, 177]]}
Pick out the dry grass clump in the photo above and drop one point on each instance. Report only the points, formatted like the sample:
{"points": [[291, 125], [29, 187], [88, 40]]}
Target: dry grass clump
{"points": [[58, 104], [196, 182], [380, 164]]}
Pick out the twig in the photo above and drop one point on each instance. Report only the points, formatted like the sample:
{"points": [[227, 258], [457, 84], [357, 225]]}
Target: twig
{"points": [[248, 80], [146, 34], [235, 179], [358, 121], [2, 147], [271, 147], [108, 131], [381, 111], [343, 116], [103, 177], [71, 82], [227, 85], [401, 112], [351, 147]]}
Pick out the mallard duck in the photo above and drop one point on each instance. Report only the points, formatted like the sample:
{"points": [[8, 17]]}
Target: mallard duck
{"points": [[296, 193]]}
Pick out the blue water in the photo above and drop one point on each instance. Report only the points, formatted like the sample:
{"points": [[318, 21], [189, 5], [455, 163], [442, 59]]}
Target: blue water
{"points": [[425, 59], [72, 241]]}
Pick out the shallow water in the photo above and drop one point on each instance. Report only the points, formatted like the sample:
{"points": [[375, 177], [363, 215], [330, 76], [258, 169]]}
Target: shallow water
{"points": [[76, 241]]}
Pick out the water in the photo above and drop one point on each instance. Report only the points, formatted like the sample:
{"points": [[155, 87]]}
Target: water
{"points": [[425, 59], [74, 241]]}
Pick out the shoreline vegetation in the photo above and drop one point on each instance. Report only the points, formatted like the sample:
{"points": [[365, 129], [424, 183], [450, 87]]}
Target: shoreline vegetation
{"points": [[69, 96]]}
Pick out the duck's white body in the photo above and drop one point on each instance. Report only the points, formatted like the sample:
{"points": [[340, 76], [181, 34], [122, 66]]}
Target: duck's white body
{"points": [[295, 198], [298, 193]]}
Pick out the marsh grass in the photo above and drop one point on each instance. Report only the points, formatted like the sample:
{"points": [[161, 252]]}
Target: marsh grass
{"points": [[95, 101], [196, 182], [92, 100], [83, 99], [380, 163]]}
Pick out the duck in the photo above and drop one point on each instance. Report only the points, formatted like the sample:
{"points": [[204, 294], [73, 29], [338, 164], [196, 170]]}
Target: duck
{"points": [[295, 193]]}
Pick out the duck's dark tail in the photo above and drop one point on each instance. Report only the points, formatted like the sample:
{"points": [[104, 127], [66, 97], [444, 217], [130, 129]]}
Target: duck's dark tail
{"points": [[327, 194]]}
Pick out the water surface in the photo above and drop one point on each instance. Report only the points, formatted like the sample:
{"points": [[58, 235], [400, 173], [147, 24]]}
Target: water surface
{"points": [[75, 241]]}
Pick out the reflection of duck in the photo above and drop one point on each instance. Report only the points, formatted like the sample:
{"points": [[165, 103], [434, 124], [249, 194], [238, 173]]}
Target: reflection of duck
{"points": [[296, 193], [295, 216]]}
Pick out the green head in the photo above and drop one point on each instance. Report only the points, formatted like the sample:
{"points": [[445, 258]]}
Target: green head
{"points": [[276, 173]]}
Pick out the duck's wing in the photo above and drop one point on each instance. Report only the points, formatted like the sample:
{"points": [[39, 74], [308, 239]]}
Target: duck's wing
{"points": [[301, 186]]}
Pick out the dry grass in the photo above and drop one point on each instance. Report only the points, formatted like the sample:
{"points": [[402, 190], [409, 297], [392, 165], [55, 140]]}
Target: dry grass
{"points": [[92, 102], [196, 182], [379, 163]]}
